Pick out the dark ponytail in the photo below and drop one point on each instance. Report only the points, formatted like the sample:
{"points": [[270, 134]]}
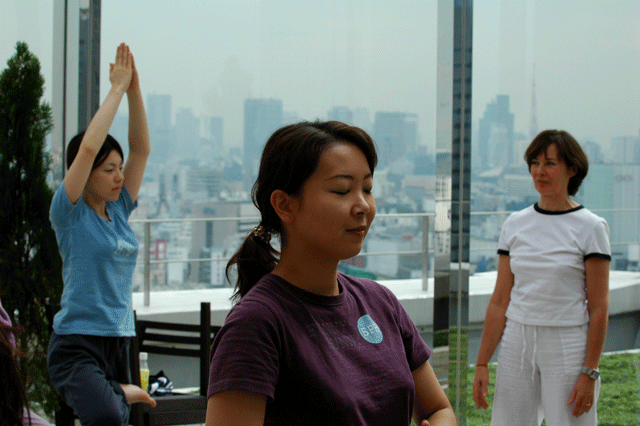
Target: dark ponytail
{"points": [[255, 259], [289, 157]]}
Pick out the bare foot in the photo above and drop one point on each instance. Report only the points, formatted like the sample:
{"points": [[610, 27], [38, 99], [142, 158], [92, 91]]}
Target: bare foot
{"points": [[134, 394]]}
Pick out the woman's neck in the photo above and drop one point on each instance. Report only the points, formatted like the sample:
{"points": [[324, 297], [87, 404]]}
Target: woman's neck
{"points": [[98, 205], [314, 276], [557, 204]]}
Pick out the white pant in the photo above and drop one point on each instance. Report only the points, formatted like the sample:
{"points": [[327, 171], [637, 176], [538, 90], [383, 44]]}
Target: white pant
{"points": [[538, 367]]}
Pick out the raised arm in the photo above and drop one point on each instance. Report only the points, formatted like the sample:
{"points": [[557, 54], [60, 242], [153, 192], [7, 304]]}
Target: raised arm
{"points": [[236, 408], [431, 407], [120, 77], [139, 146], [494, 323]]}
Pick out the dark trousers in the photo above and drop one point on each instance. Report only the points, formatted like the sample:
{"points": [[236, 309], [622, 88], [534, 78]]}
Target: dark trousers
{"points": [[87, 372]]}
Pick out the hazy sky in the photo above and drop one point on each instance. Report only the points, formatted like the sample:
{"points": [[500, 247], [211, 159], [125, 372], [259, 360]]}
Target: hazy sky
{"points": [[381, 55]]}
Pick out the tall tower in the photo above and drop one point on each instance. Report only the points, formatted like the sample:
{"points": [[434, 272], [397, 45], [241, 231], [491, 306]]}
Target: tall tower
{"points": [[216, 126], [160, 128], [495, 135], [396, 134], [341, 113], [533, 124], [88, 62], [261, 118], [187, 130]]}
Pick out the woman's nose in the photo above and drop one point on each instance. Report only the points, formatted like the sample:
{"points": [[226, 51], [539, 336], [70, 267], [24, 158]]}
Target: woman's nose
{"points": [[361, 205]]}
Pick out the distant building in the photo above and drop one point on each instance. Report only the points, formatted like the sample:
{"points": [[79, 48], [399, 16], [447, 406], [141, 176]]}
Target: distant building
{"points": [[120, 131], [205, 180], [210, 234], [423, 162], [362, 119], [187, 134], [159, 120], [518, 186], [212, 145], [419, 188], [626, 149], [495, 135], [395, 134], [617, 187], [261, 118], [593, 152], [212, 272], [341, 113]]}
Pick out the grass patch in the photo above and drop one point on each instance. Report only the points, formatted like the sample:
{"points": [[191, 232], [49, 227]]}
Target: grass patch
{"points": [[619, 402], [618, 405]]}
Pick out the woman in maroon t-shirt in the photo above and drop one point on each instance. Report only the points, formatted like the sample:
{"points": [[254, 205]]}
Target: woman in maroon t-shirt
{"points": [[303, 338]]}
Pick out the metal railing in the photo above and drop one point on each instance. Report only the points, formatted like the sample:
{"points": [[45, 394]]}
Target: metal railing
{"points": [[425, 222], [425, 219]]}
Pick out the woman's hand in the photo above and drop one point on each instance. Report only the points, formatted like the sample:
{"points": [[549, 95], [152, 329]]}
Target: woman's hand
{"points": [[481, 387], [582, 396], [121, 71], [133, 394], [134, 85]]}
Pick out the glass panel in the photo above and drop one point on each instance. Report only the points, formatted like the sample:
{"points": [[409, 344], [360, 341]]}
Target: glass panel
{"points": [[219, 77], [29, 22], [569, 65]]}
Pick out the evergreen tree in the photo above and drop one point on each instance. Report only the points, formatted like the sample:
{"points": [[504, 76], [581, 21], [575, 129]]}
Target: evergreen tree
{"points": [[30, 265]]}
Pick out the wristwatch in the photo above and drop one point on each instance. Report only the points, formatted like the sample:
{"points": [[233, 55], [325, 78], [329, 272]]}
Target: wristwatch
{"points": [[591, 372]]}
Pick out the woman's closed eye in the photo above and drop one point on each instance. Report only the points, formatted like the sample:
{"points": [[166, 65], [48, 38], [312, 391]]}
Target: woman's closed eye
{"points": [[346, 191]]}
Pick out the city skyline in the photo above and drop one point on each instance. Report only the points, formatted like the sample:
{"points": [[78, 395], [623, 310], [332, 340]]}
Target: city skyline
{"points": [[375, 55]]}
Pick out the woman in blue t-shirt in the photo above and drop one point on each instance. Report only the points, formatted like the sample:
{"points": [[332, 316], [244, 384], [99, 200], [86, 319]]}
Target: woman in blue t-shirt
{"points": [[88, 354]]}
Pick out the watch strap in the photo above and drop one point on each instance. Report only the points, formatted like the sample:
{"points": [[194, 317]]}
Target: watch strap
{"points": [[591, 372]]}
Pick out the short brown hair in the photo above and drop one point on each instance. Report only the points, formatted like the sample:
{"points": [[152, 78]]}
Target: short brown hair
{"points": [[569, 151]]}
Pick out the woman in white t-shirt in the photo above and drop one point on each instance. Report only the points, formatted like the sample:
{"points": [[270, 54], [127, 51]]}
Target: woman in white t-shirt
{"points": [[549, 309]]}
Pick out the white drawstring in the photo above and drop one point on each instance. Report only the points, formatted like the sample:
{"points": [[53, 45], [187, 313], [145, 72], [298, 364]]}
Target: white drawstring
{"points": [[524, 350], [533, 356], [524, 346]]}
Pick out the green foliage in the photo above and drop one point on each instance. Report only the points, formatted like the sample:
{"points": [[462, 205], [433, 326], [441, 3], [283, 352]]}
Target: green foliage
{"points": [[477, 416], [30, 266], [618, 404], [619, 401], [453, 371]]}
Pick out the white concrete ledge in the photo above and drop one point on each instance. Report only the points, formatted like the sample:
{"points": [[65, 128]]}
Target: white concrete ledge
{"points": [[184, 306], [624, 297]]}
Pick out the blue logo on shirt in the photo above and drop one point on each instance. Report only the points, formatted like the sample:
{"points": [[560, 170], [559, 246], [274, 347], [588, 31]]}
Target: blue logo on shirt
{"points": [[369, 330], [125, 248]]}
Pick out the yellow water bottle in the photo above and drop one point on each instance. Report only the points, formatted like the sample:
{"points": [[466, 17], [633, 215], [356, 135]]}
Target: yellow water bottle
{"points": [[144, 372]]}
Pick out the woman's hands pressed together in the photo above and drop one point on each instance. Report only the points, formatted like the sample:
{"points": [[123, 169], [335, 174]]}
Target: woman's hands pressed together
{"points": [[121, 72]]}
